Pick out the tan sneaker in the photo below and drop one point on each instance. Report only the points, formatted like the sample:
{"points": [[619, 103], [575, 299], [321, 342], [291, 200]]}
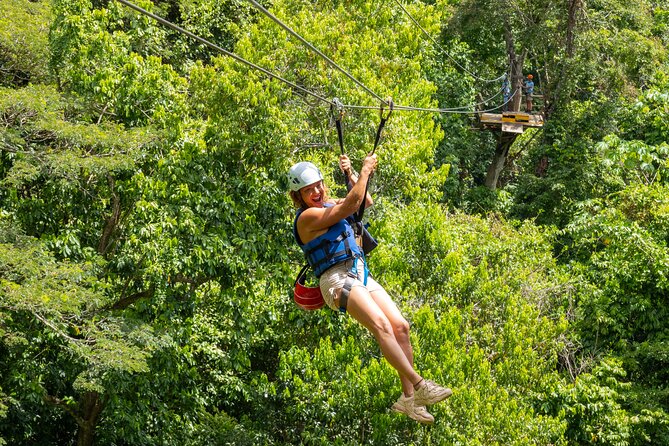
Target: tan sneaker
{"points": [[407, 406], [431, 393]]}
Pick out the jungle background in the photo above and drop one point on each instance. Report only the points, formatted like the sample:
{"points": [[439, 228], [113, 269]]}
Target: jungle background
{"points": [[146, 251]]}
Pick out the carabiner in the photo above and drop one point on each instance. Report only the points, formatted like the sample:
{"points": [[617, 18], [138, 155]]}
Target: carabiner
{"points": [[339, 106], [338, 116], [391, 105], [382, 124]]}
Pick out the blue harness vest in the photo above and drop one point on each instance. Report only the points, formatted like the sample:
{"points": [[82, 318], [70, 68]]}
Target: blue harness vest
{"points": [[335, 246]]}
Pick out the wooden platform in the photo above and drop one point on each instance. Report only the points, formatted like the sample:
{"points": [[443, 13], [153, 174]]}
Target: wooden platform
{"points": [[513, 122]]}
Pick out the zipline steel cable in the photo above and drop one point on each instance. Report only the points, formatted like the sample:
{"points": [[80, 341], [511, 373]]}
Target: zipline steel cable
{"points": [[222, 50], [443, 50], [458, 110], [360, 84], [291, 84], [332, 63], [262, 9]]}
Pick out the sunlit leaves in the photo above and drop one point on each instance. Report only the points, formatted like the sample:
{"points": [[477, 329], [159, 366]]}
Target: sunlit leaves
{"points": [[24, 28], [94, 59]]}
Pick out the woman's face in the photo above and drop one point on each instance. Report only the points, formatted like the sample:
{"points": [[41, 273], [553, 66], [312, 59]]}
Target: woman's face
{"points": [[313, 194]]}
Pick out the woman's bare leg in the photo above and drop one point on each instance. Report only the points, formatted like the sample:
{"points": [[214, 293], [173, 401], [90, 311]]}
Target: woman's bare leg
{"points": [[400, 329], [363, 308]]}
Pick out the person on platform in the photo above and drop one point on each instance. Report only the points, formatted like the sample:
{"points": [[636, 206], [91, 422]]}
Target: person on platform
{"points": [[529, 91]]}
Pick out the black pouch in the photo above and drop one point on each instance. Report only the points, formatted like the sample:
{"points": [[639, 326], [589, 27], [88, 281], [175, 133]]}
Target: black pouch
{"points": [[368, 242]]}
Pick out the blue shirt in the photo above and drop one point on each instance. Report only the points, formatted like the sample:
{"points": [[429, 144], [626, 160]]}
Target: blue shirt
{"points": [[529, 87]]}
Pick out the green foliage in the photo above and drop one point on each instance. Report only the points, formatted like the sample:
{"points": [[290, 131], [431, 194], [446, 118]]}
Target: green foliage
{"points": [[621, 49], [217, 21], [661, 22], [635, 161], [146, 255], [639, 152], [61, 177], [647, 120], [4, 399], [619, 246], [24, 28], [334, 398], [481, 200], [220, 428], [93, 58], [574, 173], [59, 344], [625, 257], [646, 363], [592, 407]]}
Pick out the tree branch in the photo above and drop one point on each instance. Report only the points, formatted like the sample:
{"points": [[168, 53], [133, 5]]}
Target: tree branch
{"points": [[129, 300], [57, 402], [113, 219], [50, 324]]}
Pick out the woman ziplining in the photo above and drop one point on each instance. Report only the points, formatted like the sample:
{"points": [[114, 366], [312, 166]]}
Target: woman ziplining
{"points": [[322, 228]]}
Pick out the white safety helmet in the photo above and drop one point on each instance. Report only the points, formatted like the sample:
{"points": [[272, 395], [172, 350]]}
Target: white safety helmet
{"points": [[303, 174]]}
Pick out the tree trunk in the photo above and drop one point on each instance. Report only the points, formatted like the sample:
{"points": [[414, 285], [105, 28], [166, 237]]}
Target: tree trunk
{"points": [[552, 99], [86, 435], [91, 406], [572, 17], [86, 414], [506, 139], [113, 219], [499, 159]]}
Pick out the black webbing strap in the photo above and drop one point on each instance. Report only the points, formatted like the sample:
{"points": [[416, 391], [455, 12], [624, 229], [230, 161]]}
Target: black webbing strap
{"points": [[337, 110], [338, 115], [345, 291], [382, 123], [301, 274], [358, 215]]}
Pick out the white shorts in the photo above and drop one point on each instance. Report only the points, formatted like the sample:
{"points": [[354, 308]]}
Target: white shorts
{"points": [[332, 281]]}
